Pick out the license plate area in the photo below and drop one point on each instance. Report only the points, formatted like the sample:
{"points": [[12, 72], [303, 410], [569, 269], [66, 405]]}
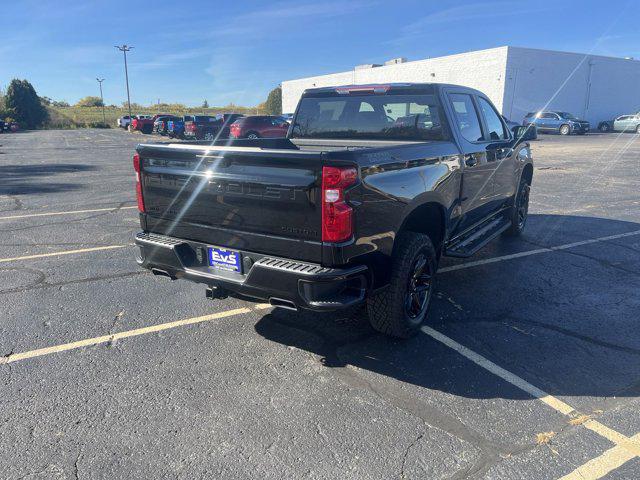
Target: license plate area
{"points": [[225, 259]]}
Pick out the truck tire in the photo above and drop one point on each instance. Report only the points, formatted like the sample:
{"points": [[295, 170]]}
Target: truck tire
{"points": [[638, 129], [604, 127], [564, 129], [400, 310], [519, 212]]}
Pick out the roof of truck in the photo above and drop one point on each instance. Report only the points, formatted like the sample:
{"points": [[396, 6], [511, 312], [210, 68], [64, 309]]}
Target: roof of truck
{"points": [[383, 87]]}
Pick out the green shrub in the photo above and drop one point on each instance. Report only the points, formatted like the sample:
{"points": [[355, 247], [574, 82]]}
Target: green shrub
{"points": [[273, 105], [22, 103], [89, 102], [98, 125]]}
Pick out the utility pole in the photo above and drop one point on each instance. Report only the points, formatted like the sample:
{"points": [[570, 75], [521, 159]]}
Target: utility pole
{"points": [[100, 80], [124, 49]]}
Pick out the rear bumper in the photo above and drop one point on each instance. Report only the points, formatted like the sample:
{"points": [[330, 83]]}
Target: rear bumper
{"points": [[276, 280]]}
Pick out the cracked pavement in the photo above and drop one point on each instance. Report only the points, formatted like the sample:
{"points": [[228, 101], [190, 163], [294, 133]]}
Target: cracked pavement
{"points": [[273, 393]]}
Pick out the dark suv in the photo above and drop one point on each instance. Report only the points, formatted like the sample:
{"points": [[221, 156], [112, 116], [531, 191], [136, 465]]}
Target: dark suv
{"points": [[556, 122]]}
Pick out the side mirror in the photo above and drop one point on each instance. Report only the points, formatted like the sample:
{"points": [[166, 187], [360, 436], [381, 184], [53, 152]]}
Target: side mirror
{"points": [[520, 132]]}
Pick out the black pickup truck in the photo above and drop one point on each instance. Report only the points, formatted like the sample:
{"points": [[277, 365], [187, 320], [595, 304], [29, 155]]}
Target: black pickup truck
{"points": [[371, 186]]}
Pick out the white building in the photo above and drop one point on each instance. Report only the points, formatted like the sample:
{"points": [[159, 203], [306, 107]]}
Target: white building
{"points": [[518, 80]]}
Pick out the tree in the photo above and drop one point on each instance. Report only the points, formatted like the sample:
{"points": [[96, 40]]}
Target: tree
{"points": [[89, 101], [3, 107], [273, 105], [205, 104], [24, 105]]}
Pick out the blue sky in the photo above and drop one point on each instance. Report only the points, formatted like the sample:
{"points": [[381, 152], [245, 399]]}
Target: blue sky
{"points": [[190, 50]]}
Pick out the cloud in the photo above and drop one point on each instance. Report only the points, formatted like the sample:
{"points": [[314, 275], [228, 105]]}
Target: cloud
{"points": [[268, 20], [462, 13], [235, 73], [170, 59]]}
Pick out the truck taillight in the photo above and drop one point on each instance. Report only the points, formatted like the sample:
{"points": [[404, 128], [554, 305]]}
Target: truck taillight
{"points": [[137, 166], [337, 215]]}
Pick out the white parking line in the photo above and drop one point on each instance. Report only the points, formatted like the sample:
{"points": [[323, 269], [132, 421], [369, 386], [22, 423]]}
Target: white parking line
{"points": [[70, 212], [630, 445], [536, 251]]}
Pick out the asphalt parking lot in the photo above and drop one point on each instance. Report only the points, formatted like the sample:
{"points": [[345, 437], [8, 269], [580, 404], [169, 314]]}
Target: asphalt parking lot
{"points": [[529, 366]]}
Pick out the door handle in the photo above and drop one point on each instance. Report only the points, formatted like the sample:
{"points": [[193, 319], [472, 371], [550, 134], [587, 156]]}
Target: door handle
{"points": [[470, 161], [503, 153]]}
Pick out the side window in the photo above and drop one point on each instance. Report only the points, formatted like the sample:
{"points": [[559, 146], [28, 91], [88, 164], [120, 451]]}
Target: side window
{"points": [[494, 125], [466, 117]]}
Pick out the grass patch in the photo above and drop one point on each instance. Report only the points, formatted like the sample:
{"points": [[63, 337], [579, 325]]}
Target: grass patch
{"points": [[91, 117]]}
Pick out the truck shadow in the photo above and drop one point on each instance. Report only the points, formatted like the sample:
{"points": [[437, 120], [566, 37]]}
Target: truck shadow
{"points": [[27, 179], [565, 321]]}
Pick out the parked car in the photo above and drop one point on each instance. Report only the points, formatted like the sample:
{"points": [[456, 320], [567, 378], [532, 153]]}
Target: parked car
{"points": [[175, 128], [123, 122], [144, 123], [259, 126], [563, 123], [2, 126], [351, 207], [207, 127], [530, 133], [161, 124], [605, 126], [627, 123]]}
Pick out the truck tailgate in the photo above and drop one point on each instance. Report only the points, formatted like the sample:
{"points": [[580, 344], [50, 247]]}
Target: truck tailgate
{"points": [[245, 198]]}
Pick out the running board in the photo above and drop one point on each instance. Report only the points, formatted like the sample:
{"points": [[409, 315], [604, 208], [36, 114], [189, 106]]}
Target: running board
{"points": [[478, 238]]}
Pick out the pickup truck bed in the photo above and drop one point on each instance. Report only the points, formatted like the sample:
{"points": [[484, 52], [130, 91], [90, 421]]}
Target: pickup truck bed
{"points": [[322, 223]]}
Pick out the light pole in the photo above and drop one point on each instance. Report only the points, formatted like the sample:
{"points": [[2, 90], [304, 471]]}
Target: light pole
{"points": [[124, 49], [100, 80]]}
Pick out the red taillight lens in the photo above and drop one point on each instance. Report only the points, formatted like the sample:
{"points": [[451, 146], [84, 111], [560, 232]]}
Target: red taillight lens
{"points": [[337, 215], [137, 166]]}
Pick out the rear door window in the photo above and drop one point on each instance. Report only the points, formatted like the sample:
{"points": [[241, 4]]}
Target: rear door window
{"points": [[466, 117], [495, 128]]}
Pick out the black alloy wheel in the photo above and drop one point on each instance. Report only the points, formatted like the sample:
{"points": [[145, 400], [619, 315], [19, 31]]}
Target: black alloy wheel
{"points": [[418, 288], [523, 206]]}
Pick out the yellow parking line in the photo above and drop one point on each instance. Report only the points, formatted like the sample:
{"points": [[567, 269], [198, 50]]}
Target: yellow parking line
{"points": [[604, 464], [17, 357], [64, 252], [69, 212], [630, 445]]}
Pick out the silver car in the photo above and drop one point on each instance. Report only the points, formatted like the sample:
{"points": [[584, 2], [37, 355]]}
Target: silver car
{"points": [[627, 123]]}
